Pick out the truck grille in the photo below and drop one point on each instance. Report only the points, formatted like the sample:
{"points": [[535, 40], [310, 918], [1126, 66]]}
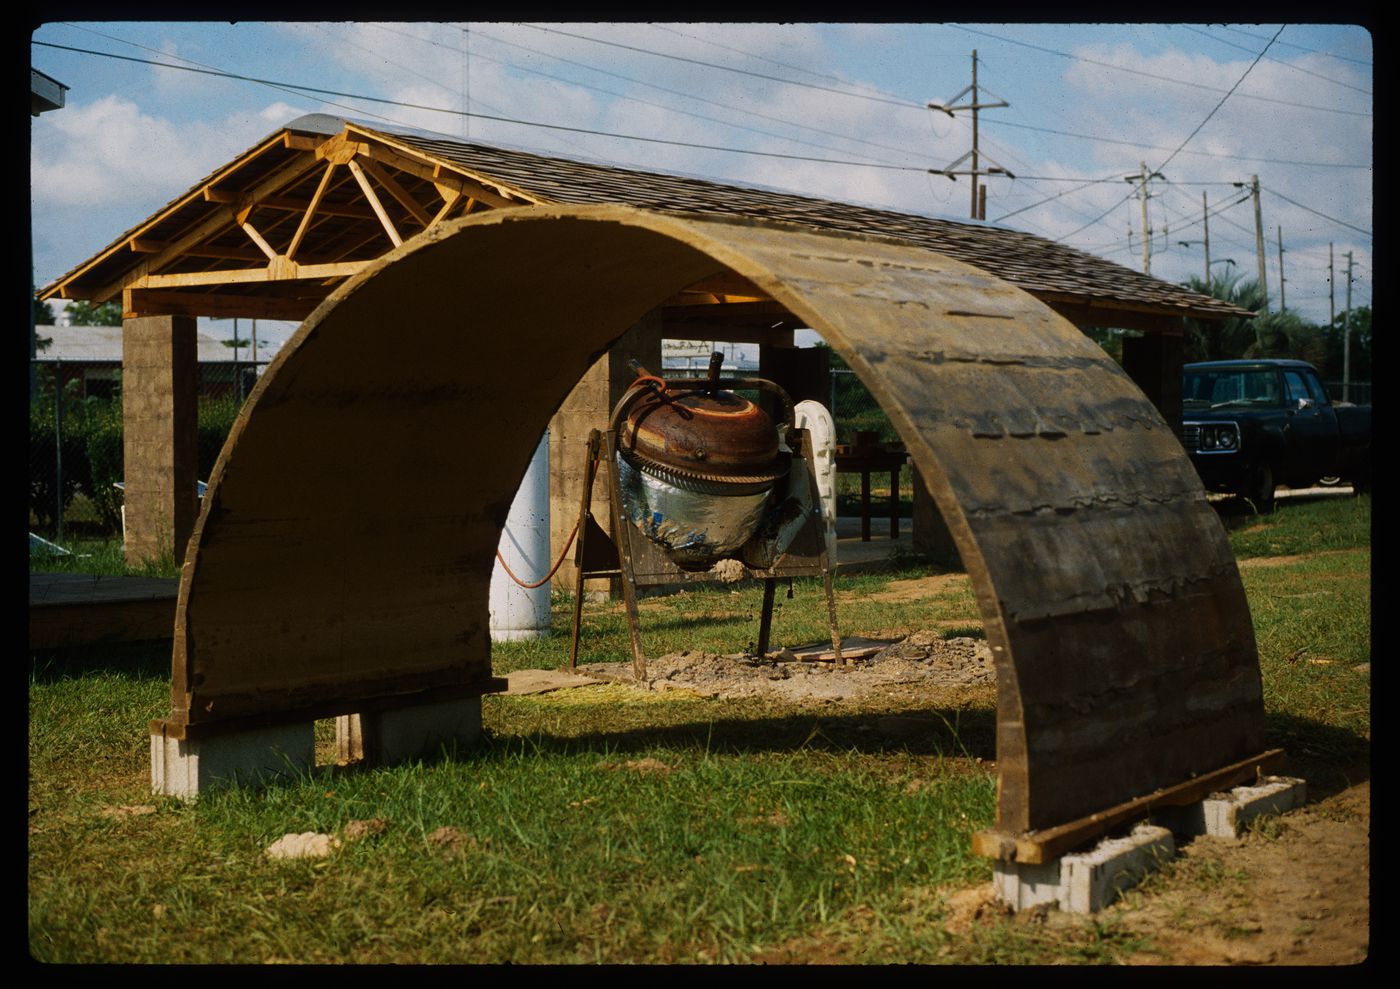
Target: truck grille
{"points": [[1191, 437]]}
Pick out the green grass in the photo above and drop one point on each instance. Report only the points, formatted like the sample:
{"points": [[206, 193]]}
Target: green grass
{"points": [[741, 831]]}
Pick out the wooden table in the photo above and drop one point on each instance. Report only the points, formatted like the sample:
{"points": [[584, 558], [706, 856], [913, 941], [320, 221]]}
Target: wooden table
{"points": [[865, 461]]}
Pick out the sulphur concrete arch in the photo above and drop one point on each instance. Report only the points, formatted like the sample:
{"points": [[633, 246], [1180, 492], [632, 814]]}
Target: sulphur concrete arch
{"points": [[343, 552]]}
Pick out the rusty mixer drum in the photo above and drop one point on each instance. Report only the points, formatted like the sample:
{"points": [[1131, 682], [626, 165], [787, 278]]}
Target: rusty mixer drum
{"points": [[696, 470]]}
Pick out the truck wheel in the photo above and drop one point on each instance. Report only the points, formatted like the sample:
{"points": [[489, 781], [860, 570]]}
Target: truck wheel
{"points": [[1259, 489]]}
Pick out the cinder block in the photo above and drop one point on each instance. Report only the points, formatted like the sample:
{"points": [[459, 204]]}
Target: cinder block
{"points": [[1089, 881], [1226, 815], [1021, 886], [1092, 880], [185, 769], [385, 738]]}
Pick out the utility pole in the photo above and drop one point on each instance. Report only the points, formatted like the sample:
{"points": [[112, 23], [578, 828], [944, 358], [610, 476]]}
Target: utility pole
{"points": [[1346, 339], [1141, 178], [1259, 239], [979, 200], [1331, 289], [1282, 282], [1205, 221]]}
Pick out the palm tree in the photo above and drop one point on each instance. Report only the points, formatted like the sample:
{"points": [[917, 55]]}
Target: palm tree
{"points": [[1269, 334]]}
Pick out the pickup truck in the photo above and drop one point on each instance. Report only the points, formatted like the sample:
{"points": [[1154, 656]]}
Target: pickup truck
{"points": [[1249, 425]]}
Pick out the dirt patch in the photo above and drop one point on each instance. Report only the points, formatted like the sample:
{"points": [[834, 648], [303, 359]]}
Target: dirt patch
{"points": [[920, 588], [1255, 562], [1293, 891], [924, 658]]}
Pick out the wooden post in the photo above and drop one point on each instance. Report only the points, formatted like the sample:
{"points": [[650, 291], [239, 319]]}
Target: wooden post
{"points": [[159, 421]]}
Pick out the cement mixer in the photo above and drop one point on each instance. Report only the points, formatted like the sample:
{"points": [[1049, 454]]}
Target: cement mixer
{"points": [[704, 485]]}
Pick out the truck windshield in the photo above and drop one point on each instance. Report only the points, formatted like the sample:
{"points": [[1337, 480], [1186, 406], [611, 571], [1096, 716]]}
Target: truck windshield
{"points": [[1216, 387]]}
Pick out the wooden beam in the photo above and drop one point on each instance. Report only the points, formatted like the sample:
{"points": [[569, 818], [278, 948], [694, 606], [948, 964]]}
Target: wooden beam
{"points": [[451, 201], [64, 287], [295, 204], [368, 190], [710, 312], [301, 142], [730, 332], [206, 228], [494, 194], [139, 245], [690, 297], [254, 236], [1047, 844], [168, 302], [310, 211], [225, 253], [377, 172], [213, 195], [289, 271]]}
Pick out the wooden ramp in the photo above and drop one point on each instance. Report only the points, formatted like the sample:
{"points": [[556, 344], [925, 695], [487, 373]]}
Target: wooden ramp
{"points": [[71, 609]]}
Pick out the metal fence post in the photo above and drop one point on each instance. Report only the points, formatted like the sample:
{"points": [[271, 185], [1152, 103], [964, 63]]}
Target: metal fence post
{"points": [[58, 449]]}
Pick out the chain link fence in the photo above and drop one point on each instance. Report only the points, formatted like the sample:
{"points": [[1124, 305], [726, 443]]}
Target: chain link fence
{"points": [[76, 442]]}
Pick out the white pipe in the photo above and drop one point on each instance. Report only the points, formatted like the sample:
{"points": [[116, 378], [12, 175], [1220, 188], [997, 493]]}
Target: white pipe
{"points": [[821, 428], [518, 612]]}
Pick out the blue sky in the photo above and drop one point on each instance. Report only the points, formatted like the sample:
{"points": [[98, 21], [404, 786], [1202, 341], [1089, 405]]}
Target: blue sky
{"points": [[1088, 105]]}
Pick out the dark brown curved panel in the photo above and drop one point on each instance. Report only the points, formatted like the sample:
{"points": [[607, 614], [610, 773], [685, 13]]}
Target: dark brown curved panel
{"points": [[345, 546]]}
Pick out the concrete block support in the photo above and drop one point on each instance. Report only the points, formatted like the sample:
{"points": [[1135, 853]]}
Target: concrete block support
{"points": [[384, 738], [185, 769], [1089, 881], [1226, 815], [1092, 880], [159, 423]]}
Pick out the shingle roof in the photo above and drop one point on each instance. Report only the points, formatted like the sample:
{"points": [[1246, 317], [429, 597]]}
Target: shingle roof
{"points": [[1053, 272], [1033, 263]]}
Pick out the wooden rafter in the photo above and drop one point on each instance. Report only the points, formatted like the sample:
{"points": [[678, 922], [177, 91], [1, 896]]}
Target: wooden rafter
{"points": [[369, 192], [450, 200], [310, 210], [377, 172], [241, 218], [205, 229]]}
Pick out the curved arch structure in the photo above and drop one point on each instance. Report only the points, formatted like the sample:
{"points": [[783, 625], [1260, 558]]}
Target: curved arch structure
{"points": [[344, 548]]}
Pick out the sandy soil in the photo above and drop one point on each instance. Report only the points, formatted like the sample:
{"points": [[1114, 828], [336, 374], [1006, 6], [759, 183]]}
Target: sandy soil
{"points": [[924, 658]]}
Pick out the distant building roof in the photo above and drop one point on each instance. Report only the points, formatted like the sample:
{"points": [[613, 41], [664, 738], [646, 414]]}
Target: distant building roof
{"points": [[103, 344], [45, 93]]}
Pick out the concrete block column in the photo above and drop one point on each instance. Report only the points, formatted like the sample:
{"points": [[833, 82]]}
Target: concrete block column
{"points": [[159, 422], [931, 536], [588, 407]]}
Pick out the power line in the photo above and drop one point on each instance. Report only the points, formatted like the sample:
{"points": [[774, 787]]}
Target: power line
{"points": [[1153, 75], [664, 89], [1286, 65], [1217, 106], [1148, 147], [729, 68], [478, 116], [1188, 137], [1287, 44], [1333, 219]]}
